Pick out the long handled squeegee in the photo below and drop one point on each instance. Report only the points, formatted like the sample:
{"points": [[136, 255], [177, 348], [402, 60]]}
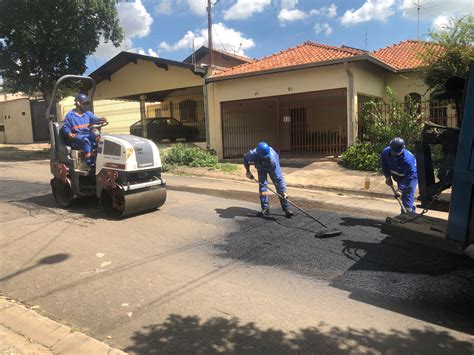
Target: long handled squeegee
{"points": [[324, 233]]}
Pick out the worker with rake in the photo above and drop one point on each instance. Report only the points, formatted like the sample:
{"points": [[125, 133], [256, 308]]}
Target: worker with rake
{"points": [[267, 162]]}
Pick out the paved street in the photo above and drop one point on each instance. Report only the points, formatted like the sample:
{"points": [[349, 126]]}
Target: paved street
{"points": [[203, 275]]}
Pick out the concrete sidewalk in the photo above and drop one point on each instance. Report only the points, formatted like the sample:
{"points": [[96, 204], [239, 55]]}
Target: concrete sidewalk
{"points": [[244, 189], [25, 331], [308, 173]]}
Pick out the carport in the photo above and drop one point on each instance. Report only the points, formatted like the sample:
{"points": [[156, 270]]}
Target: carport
{"points": [[163, 87], [311, 123]]}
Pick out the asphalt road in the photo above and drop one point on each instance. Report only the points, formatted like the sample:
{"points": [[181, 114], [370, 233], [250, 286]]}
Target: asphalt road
{"points": [[201, 275]]}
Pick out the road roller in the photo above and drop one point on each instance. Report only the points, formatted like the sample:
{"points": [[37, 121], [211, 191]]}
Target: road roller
{"points": [[127, 173]]}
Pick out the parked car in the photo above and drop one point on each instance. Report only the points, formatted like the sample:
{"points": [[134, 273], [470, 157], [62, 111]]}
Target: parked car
{"points": [[165, 128]]}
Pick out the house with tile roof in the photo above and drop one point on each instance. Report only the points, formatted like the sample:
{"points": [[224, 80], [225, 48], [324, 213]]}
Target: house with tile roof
{"points": [[305, 100]]}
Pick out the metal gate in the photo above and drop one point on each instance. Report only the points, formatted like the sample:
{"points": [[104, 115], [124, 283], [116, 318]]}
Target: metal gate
{"points": [[38, 119], [310, 124]]}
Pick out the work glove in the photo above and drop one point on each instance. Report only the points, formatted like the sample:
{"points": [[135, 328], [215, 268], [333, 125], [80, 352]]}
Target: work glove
{"points": [[398, 193], [285, 195], [388, 181], [249, 175]]}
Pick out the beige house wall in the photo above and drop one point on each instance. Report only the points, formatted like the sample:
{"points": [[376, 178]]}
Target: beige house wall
{"points": [[291, 82], [170, 106], [370, 81], [16, 117], [406, 83], [120, 114], [145, 77]]}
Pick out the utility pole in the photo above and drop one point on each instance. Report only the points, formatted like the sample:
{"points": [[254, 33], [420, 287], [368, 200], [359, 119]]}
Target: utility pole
{"points": [[366, 41], [209, 31], [418, 8]]}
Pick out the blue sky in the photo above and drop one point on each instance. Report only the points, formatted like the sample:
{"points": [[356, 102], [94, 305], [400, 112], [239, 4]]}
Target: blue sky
{"points": [[256, 28]]}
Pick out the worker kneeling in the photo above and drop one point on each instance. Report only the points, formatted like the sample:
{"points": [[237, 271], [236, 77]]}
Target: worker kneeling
{"points": [[400, 164], [267, 162], [77, 130]]}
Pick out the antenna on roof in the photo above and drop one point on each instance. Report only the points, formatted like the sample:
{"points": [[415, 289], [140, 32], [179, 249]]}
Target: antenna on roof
{"points": [[238, 49], [366, 41], [418, 9], [194, 57]]}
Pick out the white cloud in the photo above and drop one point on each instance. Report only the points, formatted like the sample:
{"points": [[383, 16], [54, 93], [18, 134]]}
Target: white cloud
{"points": [[289, 4], [243, 9], [325, 11], [441, 23], [431, 9], [224, 38], [291, 15], [150, 52], [198, 6], [324, 28], [134, 19], [135, 22], [163, 7], [379, 10]]}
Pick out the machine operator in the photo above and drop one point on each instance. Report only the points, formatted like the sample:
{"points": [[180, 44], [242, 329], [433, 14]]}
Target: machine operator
{"points": [[77, 129]]}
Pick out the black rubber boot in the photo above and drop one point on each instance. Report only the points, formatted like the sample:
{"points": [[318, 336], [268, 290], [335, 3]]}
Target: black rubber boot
{"points": [[289, 214], [264, 213]]}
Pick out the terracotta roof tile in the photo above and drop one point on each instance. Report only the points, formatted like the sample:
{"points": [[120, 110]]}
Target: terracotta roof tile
{"points": [[306, 53], [401, 56], [404, 55]]}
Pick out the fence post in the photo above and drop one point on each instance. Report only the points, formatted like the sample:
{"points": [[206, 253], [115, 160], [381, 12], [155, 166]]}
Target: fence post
{"points": [[143, 116]]}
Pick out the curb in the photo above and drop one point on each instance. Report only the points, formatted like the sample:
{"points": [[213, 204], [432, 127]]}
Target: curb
{"points": [[38, 155], [342, 190], [249, 196], [56, 337]]}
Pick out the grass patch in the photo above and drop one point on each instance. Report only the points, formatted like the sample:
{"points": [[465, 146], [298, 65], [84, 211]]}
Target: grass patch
{"points": [[180, 155]]}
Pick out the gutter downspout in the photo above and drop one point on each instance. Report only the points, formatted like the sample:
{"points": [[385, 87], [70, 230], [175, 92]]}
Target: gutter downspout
{"points": [[206, 113], [350, 116]]}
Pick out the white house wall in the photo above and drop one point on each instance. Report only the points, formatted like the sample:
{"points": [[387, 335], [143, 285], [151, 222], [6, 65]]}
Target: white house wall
{"points": [[17, 121]]}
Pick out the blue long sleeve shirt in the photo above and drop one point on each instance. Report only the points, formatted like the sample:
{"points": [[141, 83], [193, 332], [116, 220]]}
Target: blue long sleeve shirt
{"points": [[270, 165], [79, 124], [401, 167]]}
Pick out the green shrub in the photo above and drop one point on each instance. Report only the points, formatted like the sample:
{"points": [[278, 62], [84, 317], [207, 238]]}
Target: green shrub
{"points": [[181, 155], [381, 121], [362, 156]]}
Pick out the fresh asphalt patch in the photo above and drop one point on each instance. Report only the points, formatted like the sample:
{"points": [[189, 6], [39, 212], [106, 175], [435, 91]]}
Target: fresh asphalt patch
{"points": [[373, 267]]}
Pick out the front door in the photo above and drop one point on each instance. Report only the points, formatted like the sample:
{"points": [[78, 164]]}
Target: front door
{"points": [[298, 128]]}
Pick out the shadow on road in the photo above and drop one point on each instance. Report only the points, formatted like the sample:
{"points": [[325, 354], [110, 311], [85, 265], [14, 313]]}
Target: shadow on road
{"points": [[48, 260], [191, 335], [411, 279]]}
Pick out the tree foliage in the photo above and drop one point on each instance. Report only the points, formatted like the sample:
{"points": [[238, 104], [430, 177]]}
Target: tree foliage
{"points": [[41, 40], [454, 53]]}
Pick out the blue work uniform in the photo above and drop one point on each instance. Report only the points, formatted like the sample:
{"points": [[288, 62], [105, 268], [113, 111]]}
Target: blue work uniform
{"points": [[79, 124], [268, 166], [402, 168]]}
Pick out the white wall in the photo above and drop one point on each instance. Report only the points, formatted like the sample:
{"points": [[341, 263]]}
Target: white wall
{"points": [[17, 121]]}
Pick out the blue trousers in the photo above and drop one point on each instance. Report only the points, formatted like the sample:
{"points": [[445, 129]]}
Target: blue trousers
{"points": [[87, 143], [408, 196], [279, 185]]}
